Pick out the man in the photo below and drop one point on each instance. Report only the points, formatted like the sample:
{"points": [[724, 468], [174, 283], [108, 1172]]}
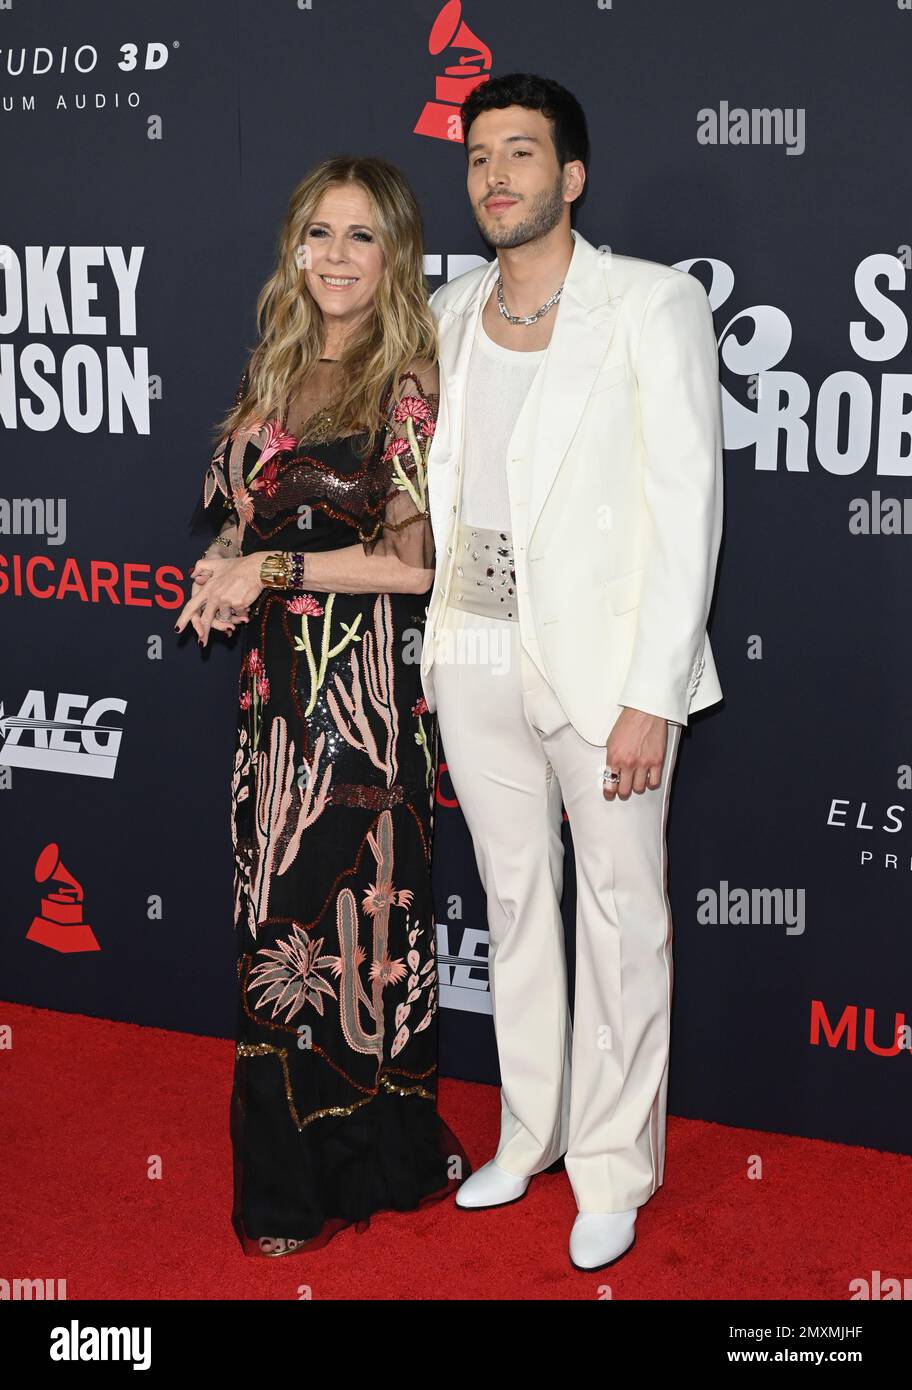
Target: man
{"points": [[575, 486]]}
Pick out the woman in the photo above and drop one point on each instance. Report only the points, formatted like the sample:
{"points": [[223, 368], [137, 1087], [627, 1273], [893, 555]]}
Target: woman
{"points": [[325, 556]]}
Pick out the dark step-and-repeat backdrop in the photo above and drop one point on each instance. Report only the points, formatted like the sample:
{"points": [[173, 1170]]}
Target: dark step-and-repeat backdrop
{"points": [[147, 155]]}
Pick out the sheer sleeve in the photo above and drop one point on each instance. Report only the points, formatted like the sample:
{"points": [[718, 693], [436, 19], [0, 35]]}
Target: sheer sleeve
{"points": [[411, 417], [214, 504]]}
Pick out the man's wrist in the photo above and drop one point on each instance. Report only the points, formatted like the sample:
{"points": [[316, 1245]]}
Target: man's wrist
{"points": [[644, 713]]}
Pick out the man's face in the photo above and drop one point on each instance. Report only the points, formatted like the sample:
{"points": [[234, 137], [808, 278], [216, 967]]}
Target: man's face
{"points": [[515, 184]]}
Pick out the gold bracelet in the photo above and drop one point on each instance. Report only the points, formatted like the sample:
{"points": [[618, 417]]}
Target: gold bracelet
{"points": [[219, 540], [274, 571], [284, 569]]}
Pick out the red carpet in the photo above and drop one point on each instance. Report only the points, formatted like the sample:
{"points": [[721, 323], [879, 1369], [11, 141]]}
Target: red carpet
{"points": [[87, 1102]]}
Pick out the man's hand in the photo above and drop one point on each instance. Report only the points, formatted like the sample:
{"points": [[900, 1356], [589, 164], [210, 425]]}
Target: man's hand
{"points": [[636, 749], [222, 593]]}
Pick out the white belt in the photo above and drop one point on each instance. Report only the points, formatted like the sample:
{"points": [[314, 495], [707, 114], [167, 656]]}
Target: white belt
{"points": [[484, 580]]}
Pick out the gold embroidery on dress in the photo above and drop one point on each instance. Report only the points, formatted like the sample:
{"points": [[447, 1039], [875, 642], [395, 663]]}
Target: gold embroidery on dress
{"points": [[261, 1049], [318, 392], [317, 428]]}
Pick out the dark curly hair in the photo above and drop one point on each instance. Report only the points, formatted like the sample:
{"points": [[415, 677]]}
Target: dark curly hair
{"points": [[569, 130]]}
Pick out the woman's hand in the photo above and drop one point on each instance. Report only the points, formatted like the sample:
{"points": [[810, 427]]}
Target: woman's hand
{"points": [[226, 625], [205, 566], [199, 574], [223, 590]]}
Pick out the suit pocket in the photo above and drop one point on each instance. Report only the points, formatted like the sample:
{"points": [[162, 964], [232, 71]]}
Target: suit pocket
{"points": [[624, 590], [610, 379]]}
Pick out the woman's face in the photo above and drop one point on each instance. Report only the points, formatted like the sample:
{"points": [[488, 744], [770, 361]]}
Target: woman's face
{"points": [[341, 255]]}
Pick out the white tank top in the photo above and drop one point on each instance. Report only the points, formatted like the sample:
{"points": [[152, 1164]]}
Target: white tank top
{"points": [[498, 382]]}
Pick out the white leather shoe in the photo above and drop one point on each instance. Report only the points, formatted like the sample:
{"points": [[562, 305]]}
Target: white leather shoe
{"points": [[490, 1186], [599, 1238]]}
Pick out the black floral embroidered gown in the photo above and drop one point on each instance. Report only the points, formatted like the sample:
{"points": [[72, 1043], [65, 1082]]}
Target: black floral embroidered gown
{"points": [[333, 1110]]}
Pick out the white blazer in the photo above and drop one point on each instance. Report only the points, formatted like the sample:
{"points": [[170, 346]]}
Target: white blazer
{"points": [[620, 438]]}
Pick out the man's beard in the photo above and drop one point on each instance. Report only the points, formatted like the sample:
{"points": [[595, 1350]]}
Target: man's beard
{"points": [[542, 216]]}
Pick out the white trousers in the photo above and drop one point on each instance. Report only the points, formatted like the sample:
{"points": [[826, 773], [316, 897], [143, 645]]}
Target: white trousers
{"points": [[595, 1090]]}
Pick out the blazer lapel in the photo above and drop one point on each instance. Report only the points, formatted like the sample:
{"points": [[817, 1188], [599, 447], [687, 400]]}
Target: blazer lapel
{"points": [[547, 422], [551, 413]]}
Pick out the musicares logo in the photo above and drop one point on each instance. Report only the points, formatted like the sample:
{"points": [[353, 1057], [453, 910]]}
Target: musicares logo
{"points": [[449, 33], [846, 1030]]}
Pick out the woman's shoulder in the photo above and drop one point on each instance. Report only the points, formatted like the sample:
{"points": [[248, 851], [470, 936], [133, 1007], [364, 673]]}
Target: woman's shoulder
{"points": [[421, 374]]}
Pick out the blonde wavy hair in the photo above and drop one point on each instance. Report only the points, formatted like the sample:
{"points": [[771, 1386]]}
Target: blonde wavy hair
{"points": [[399, 330]]}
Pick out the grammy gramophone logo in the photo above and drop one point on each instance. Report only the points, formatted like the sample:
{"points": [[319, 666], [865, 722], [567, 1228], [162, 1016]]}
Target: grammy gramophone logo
{"points": [[451, 35], [60, 924]]}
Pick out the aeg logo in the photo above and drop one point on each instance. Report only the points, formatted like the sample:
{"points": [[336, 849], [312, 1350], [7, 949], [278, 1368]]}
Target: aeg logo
{"points": [[64, 742]]}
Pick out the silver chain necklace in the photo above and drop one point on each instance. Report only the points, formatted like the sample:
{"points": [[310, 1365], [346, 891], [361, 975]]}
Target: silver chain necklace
{"points": [[525, 318]]}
